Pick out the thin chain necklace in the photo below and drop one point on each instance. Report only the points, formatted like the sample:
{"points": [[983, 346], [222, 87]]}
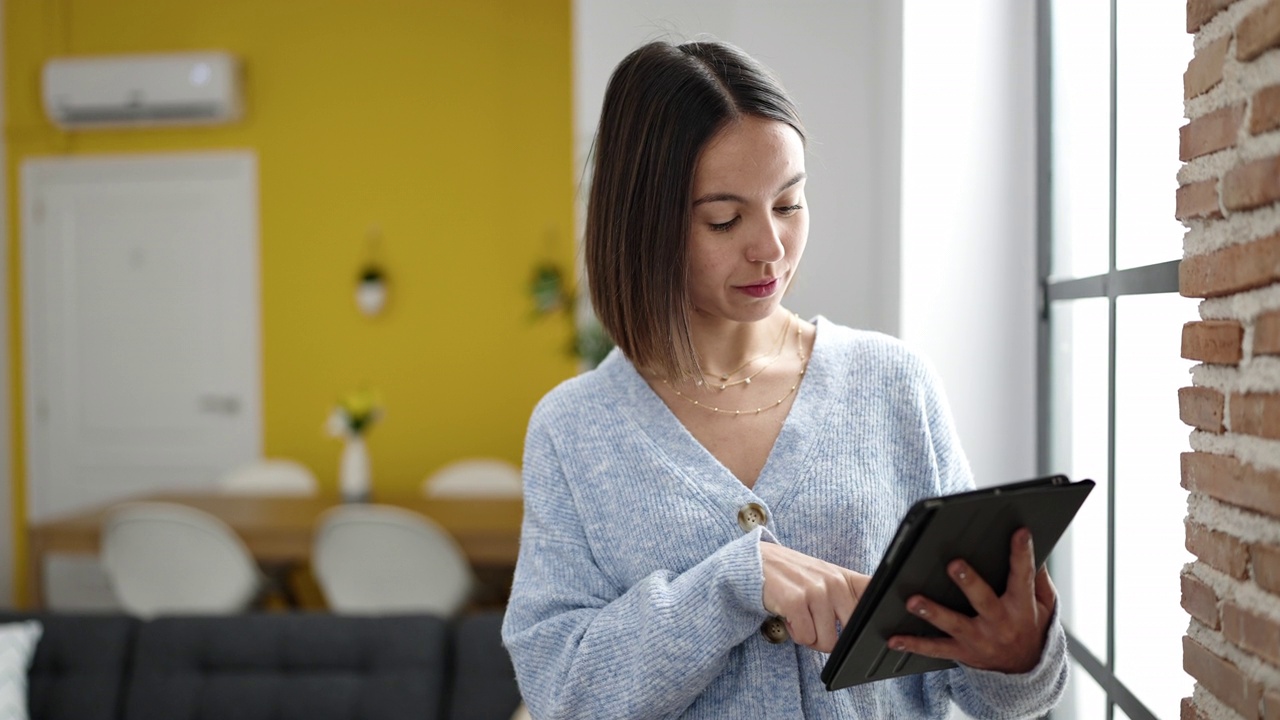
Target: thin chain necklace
{"points": [[804, 365], [776, 352]]}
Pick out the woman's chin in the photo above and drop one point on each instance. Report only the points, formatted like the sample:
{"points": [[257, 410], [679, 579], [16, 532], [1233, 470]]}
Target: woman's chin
{"points": [[739, 312]]}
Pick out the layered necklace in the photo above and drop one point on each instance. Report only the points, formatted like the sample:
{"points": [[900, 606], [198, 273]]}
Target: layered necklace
{"points": [[726, 380], [773, 356]]}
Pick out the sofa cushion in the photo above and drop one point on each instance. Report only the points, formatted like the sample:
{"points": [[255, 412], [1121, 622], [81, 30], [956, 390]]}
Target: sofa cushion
{"points": [[79, 665], [484, 682], [289, 667]]}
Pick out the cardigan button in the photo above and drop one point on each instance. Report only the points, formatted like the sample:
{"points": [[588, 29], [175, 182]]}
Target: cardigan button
{"points": [[751, 516], [775, 630]]}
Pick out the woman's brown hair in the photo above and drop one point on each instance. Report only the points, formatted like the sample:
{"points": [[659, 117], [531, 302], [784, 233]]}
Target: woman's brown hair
{"points": [[664, 102]]}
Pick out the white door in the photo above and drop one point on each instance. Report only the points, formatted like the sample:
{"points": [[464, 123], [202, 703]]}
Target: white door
{"points": [[141, 332]]}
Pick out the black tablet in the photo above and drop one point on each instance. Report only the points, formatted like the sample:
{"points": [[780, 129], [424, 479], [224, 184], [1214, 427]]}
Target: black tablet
{"points": [[976, 526]]}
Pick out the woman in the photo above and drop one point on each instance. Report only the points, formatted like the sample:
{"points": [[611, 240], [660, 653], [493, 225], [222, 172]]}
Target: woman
{"points": [[701, 510]]}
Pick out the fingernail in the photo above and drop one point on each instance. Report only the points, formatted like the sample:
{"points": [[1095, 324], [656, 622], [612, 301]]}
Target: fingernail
{"points": [[922, 611], [899, 646], [960, 572]]}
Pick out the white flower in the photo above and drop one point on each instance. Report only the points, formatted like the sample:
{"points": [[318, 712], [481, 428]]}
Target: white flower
{"points": [[337, 424]]}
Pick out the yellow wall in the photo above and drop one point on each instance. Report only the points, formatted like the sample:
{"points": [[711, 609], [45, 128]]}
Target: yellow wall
{"points": [[446, 124]]}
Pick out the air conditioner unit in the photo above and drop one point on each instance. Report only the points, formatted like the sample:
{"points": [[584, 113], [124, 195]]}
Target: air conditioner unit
{"points": [[169, 89]]}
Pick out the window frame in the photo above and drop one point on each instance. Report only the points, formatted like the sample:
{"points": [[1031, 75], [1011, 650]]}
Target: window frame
{"points": [[1156, 278]]}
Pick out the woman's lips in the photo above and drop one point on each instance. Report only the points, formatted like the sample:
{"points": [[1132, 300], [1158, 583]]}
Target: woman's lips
{"points": [[762, 289]]}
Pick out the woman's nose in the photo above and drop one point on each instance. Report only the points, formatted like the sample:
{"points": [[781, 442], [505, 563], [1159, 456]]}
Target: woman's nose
{"points": [[766, 246]]}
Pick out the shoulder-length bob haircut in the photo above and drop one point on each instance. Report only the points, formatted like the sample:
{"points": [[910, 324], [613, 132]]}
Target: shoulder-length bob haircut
{"points": [[663, 104]]}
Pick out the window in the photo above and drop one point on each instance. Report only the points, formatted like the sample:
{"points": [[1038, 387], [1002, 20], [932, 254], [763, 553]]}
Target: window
{"points": [[1110, 105]]}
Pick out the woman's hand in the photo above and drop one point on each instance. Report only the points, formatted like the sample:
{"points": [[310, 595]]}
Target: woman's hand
{"points": [[810, 594], [1008, 633]]}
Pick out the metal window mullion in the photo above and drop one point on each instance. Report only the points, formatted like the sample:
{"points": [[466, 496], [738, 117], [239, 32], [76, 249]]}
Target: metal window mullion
{"points": [[1044, 234], [1148, 279], [1111, 497], [1111, 376], [1044, 224]]}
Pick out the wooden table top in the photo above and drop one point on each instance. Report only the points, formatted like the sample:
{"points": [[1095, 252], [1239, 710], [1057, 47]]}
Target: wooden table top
{"points": [[280, 527]]}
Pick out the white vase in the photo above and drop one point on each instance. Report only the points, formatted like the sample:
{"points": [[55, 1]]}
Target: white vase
{"points": [[353, 471]]}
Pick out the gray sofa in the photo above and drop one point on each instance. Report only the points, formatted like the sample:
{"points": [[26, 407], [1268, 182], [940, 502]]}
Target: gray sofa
{"points": [[280, 666]]}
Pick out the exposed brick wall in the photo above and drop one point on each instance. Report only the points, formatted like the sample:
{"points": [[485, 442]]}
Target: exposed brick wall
{"points": [[1214, 341], [1229, 199]]}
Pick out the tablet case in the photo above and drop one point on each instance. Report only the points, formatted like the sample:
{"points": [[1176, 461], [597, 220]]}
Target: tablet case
{"points": [[976, 526]]}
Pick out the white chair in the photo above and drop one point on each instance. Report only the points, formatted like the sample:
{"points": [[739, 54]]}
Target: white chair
{"points": [[376, 559], [475, 477], [165, 559], [270, 477], [275, 476]]}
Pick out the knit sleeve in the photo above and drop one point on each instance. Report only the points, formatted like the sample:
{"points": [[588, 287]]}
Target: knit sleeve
{"points": [[987, 694], [583, 647], [980, 693], [953, 474]]}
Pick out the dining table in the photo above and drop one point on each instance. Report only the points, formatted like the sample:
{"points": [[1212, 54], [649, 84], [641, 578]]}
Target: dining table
{"points": [[279, 529]]}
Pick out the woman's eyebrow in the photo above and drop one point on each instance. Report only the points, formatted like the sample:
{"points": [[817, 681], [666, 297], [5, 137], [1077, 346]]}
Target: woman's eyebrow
{"points": [[794, 179], [719, 197], [730, 197]]}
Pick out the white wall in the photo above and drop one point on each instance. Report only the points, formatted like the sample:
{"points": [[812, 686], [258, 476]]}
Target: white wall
{"points": [[968, 219], [841, 62]]}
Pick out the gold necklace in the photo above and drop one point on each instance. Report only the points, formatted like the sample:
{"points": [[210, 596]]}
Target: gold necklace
{"points": [[804, 365], [776, 352]]}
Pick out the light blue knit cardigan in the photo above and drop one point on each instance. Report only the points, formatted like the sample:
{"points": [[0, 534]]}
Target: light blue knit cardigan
{"points": [[637, 594]]}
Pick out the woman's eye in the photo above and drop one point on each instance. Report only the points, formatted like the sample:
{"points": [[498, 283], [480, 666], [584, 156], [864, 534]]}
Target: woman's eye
{"points": [[789, 209], [721, 227]]}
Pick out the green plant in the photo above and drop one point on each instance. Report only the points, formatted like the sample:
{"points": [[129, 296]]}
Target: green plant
{"points": [[551, 296], [591, 343]]}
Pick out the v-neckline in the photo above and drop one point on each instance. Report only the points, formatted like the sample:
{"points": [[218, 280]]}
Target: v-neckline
{"points": [[800, 429]]}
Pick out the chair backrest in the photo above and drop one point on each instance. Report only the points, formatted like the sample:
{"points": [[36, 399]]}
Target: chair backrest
{"points": [[270, 477], [165, 558], [376, 559], [475, 477]]}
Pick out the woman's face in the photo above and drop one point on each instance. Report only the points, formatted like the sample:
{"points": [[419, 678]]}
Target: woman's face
{"points": [[749, 221]]}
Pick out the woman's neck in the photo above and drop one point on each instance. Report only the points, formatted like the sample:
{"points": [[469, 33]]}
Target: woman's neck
{"points": [[724, 346]]}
